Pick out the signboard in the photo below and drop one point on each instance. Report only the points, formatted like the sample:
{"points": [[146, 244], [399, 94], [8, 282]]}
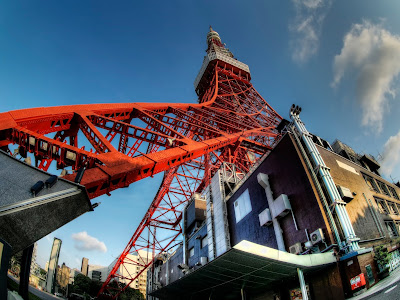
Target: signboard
{"points": [[357, 281], [296, 294]]}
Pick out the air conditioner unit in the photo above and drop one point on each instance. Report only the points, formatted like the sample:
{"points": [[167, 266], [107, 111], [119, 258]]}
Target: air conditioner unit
{"points": [[265, 217], [281, 206], [296, 248], [317, 236], [203, 261], [345, 193]]}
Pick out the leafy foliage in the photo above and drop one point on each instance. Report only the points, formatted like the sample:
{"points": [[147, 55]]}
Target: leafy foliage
{"points": [[85, 286], [382, 257]]}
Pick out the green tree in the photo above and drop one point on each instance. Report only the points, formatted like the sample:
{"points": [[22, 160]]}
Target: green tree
{"points": [[42, 273], [81, 284], [129, 293], [382, 257]]}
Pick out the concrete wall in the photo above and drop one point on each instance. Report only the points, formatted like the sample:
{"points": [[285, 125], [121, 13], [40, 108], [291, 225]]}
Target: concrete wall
{"points": [[348, 174], [287, 175], [195, 242]]}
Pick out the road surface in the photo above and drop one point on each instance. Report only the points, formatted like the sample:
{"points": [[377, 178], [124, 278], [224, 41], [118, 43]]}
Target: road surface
{"points": [[389, 293], [42, 295]]}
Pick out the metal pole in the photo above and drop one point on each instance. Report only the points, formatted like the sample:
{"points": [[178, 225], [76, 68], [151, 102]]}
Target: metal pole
{"points": [[243, 294], [25, 271], [302, 284]]}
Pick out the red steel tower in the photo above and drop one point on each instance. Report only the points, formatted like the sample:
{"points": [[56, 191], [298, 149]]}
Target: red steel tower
{"points": [[188, 142]]}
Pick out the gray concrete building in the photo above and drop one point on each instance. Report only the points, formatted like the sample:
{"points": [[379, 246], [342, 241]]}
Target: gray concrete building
{"points": [[52, 267], [85, 266]]}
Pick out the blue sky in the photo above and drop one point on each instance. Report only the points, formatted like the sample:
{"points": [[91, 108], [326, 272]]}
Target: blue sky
{"points": [[338, 60]]}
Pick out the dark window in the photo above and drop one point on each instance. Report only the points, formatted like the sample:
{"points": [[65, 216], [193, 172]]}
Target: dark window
{"points": [[353, 158], [383, 209], [383, 188], [393, 208], [204, 242], [393, 192], [391, 228], [371, 183], [397, 223]]}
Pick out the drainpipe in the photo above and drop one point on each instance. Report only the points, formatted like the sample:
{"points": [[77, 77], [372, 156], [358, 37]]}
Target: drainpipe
{"points": [[184, 243], [323, 170], [302, 284], [263, 181], [167, 270]]}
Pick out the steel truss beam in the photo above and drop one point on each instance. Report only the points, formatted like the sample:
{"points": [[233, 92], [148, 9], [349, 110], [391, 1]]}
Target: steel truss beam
{"points": [[232, 123]]}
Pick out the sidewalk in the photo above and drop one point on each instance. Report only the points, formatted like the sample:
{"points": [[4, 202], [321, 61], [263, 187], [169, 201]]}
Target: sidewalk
{"points": [[384, 283]]}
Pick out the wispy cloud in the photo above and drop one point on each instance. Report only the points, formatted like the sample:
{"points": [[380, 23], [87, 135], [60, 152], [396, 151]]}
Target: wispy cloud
{"points": [[391, 155], [83, 241], [371, 54], [306, 27]]}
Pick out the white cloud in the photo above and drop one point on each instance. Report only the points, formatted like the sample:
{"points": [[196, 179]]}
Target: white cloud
{"points": [[83, 241], [391, 154], [371, 54], [306, 27]]}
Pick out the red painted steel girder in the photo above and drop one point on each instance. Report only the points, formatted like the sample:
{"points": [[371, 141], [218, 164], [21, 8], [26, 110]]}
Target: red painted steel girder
{"points": [[127, 142], [222, 120]]}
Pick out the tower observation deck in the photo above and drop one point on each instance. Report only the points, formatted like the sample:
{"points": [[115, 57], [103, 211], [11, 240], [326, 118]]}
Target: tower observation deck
{"points": [[130, 141]]}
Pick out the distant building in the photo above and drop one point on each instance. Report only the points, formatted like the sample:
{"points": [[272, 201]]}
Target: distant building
{"points": [[35, 268], [72, 275], [52, 266], [135, 267], [85, 266], [63, 276], [98, 273]]}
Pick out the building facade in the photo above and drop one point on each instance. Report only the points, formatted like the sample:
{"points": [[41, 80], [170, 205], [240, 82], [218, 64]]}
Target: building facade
{"points": [[85, 266], [135, 267], [300, 220], [52, 266], [98, 273], [63, 276]]}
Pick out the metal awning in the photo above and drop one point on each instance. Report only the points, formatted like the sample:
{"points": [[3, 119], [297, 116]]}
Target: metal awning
{"points": [[247, 265]]}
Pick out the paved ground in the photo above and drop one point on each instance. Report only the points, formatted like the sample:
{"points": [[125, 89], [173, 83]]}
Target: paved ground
{"points": [[39, 293], [386, 289]]}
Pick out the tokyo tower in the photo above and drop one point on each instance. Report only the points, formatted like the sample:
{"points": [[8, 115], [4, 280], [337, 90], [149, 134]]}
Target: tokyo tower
{"points": [[231, 124]]}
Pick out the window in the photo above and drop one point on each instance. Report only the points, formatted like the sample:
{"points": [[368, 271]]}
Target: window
{"points": [[242, 206], [191, 252], [371, 183], [393, 192], [391, 228], [393, 208], [383, 188], [353, 158], [397, 223], [383, 209], [204, 242]]}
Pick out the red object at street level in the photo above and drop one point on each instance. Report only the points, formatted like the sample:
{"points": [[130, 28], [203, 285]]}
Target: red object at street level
{"points": [[189, 142], [357, 281]]}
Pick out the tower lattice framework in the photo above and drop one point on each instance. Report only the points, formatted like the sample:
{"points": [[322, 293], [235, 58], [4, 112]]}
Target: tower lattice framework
{"points": [[128, 142]]}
